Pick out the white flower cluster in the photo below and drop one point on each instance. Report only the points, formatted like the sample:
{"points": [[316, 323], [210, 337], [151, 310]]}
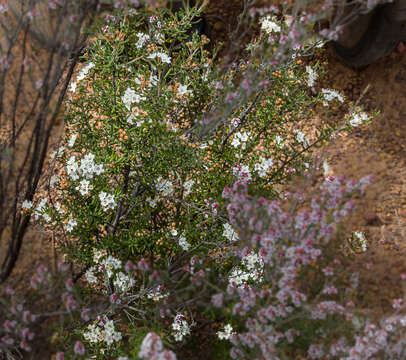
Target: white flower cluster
{"points": [[160, 55], [70, 225], [240, 139], [251, 268], [269, 25], [109, 265], [358, 118], [102, 331], [40, 211], [157, 294], [360, 236], [84, 187], [87, 168], [242, 172], [72, 140], [123, 282], [183, 243], [26, 204], [226, 333], [300, 136], [165, 187], [230, 233], [130, 97], [312, 76], [142, 40], [107, 201], [181, 327], [263, 167], [187, 185], [81, 75], [330, 95]]}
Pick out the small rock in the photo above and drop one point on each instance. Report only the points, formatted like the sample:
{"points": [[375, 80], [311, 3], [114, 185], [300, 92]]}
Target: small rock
{"points": [[371, 218]]}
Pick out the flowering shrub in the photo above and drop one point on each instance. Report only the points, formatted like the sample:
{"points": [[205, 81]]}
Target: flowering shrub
{"points": [[131, 177], [167, 203]]}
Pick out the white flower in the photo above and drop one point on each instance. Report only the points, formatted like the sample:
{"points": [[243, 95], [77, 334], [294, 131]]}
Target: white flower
{"points": [[152, 202], [70, 225], [174, 232], [84, 187], [181, 327], [157, 294], [130, 97], [330, 95], [230, 233], [251, 268], [164, 57], [142, 40], [123, 282], [107, 201], [182, 90], [53, 180], [300, 136], [26, 204], [164, 186], [72, 168], [362, 240], [72, 86], [269, 25], [242, 172], [87, 166], [183, 243], [39, 210], [240, 139], [84, 71], [187, 185], [312, 76], [90, 276], [226, 334], [358, 118], [111, 263], [263, 167], [72, 140]]}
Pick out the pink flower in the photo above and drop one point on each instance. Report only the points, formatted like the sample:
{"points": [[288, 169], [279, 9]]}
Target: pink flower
{"points": [[69, 284], [79, 348], [60, 356], [85, 314]]}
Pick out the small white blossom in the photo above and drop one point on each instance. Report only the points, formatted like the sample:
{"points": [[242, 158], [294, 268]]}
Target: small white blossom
{"points": [[72, 168], [84, 71], [183, 243], [263, 167], [312, 76], [330, 95], [164, 186], [230, 233], [187, 185], [300, 136], [123, 282], [226, 333], [182, 90], [72, 140], [111, 263], [160, 55], [269, 25], [142, 40], [90, 276], [84, 187], [70, 225], [240, 139], [181, 327], [107, 201], [130, 97], [358, 118], [26, 204]]}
